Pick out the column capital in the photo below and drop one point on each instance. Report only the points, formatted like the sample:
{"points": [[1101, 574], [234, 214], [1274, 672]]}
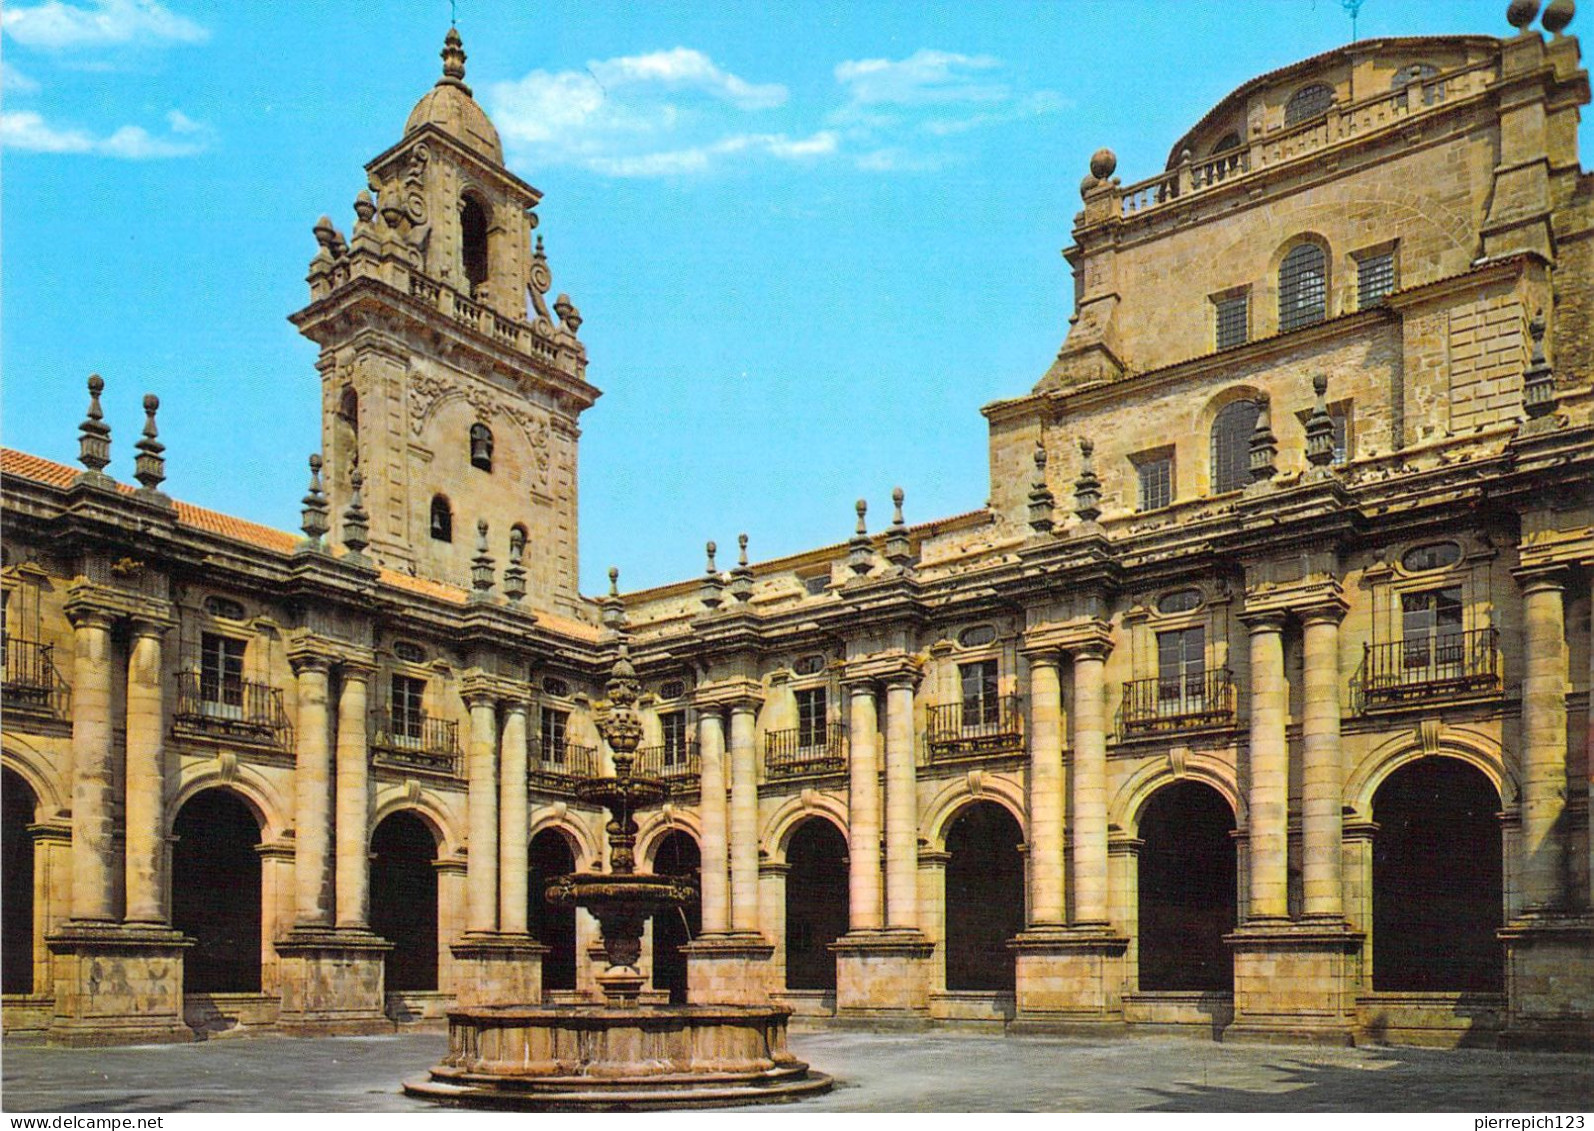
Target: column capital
{"points": [[1324, 612], [149, 623], [1090, 637], [479, 688], [517, 697], [357, 667], [91, 606], [889, 668], [1538, 578], [309, 652], [729, 694], [1259, 622]]}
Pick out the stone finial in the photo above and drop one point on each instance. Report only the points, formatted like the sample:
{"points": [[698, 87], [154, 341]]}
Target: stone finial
{"points": [[859, 555], [94, 435], [1087, 488], [898, 549], [1519, 13], [1264, 445], [515, 571], [569, 316], [1041, 500], [364, 206], [712, 591], [742, 575], [356, 523], [481, 566], [1558, 15], [1538, 382], [149, 468], [1320, 427], [314, 517], [325, 234], [1103, 163], [614, 581], [453, 54], [613, 615]]}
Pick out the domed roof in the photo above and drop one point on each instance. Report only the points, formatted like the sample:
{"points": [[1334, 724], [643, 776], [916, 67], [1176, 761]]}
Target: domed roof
{"points": [[450, 107]]}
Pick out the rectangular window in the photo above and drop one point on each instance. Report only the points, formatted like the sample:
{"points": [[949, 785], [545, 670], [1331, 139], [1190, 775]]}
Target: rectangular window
{"points": [[811, 708], [1375, 279], [221, 671], [555, 724], [1431, 627], [1340, 415], [1233, 314], [409, 714], [1181, 667], [980, 704], [673, 723], [1156, 482]]}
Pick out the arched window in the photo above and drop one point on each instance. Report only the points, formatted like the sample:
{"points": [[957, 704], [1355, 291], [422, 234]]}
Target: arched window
{"points": [[1307, 103], [481, 447], [517, 542], [1303, 287], [473, 242], [442, 519], [1231, 446], [1419, 73], [349, 406], [1228, 141]]}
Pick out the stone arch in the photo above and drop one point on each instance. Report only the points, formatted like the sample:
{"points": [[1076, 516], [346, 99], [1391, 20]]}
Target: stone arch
{"points": [[398, 799], [785, 821], [964, 791], [1477, 750], [255, 790], [1129, 804], [583, 845], [34, 768], [218, 888], [660, 824]]}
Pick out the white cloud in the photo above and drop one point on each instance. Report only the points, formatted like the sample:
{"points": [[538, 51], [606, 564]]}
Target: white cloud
{"points": [[685, 69], [926, 77], [15, 81], [698, 158], [28, 131], [23, 129], [54, 25]]}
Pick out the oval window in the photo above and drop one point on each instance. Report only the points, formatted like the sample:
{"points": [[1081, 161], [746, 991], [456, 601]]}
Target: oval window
{"points": [[1179, 601], [224, 608], [410, 653], [809, 665], [553, 685], [672, 690], [1435, 555], [974, 637]]}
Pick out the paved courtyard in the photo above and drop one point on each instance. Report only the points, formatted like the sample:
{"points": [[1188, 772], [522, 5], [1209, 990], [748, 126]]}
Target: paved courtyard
{"points": [[874, 1072]]}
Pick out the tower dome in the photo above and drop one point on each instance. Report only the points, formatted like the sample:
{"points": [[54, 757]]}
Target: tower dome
{"points": [[450, 107]]}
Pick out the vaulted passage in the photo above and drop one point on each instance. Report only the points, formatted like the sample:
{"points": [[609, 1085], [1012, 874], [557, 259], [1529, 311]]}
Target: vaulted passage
{"points": [[984, 897], [17, 807], [404, 900], [816, 904], [677, 855], [1187, 889], [216, 893], [1437, 898], [554, 927]]}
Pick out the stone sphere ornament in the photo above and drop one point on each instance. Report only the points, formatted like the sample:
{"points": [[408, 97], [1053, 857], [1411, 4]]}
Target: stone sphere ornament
{"points": [[1520, 13], [1104, 161], [1558, 15]]}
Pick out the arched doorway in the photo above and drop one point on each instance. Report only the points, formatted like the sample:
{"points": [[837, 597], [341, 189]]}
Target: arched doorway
{"points": [[555, 927], [984, 897], [816, 904], [1187, 889], [17, 806], [1437, 899], [677, 855], [404, 900], [216, 893]]}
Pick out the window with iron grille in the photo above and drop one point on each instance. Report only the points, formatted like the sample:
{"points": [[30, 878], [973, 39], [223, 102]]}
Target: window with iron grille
{"points": [[1231, 446], [1233, 314], [407, 707], [1303, 287], [221, 670], [980, 703], [1426, 620], [1375, 279], [811, 708], [673, 723], [1307, 103], [1181, 663], [555, 725], [1340, 415], [1156, 482]]}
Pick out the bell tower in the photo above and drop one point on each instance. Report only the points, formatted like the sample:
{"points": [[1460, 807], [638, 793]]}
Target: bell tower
{"points": [[444, 373]]}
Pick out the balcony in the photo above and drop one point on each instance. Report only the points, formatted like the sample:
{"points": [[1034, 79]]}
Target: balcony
{"points": [[33, 685], [239, 710], [802, 751], [975, 728], [1196, 701], [1430, 667], [416, 741], [555, 767], [677, 764]]}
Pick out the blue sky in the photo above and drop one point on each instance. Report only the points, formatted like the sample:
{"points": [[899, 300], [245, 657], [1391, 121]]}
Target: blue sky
{"points": [[808, 240]]}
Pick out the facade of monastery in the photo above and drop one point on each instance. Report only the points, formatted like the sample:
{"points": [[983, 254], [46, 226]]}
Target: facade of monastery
{"points": [[1265, 716]]}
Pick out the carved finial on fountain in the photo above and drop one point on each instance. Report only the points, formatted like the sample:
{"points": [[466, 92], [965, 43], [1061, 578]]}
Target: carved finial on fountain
{"points": [[619, 723]]}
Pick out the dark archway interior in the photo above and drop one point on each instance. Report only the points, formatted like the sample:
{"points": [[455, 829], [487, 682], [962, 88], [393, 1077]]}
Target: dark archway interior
{"points": [[677, 855], [816, 904], [17, 807], [473, 237], [404, 900], [554, 927], [1187, 889], [984, 897], [216, 893], [1437, 899]]}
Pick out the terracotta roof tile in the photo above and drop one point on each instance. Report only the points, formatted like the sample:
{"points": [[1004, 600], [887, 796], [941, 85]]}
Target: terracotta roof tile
{"points": [[423, 586]]}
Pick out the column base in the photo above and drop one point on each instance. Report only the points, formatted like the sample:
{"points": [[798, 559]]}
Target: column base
{"points": [[1069, 981], [1295, 982], [1549, 980], [883, 977], [496, 968], [117, 984], [733, 968], [332, 982]]}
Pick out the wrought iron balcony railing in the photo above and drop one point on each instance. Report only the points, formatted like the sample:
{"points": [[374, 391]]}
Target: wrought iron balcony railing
{"points": [[976, 727], [558, 765], [1427, 667], [805, 750], [1188, 702], [674, 762], [416, 741], [240, 709], [32, 683]]}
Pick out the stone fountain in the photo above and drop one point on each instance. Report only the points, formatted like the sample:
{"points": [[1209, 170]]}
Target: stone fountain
{"points": [[618, 1053]]}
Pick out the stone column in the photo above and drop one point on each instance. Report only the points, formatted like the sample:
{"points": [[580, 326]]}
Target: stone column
{"points": [[902, 807], [482, 800], [514, 831], [863, 837], [353, 800], [1544, 778], [146, 777], [1090, 786], [1322, 777], [743, 818], [312, 784], [711, 752], [1269, 793], [1046, 901], [94, 855]]}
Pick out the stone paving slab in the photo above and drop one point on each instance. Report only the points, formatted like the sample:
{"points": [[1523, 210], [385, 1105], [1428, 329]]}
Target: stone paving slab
{"points": [[875, 1072]]}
